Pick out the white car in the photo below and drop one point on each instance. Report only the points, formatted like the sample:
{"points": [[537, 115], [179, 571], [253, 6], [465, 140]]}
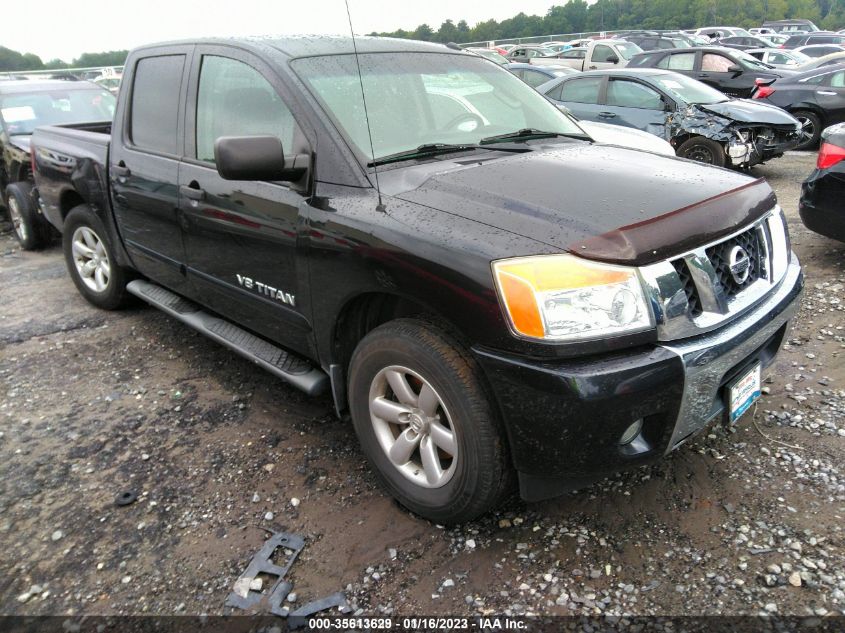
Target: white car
{"points": [[779, 58]]}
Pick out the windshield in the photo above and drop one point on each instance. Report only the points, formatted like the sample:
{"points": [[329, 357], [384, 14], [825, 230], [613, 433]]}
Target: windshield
{"points": [[687, 89], [627, 49], [23, 112], [425, 98], [749, 62]]}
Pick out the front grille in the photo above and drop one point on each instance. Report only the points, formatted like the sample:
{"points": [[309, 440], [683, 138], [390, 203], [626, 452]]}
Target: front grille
{"points": [[690, 290], [720, 257]]}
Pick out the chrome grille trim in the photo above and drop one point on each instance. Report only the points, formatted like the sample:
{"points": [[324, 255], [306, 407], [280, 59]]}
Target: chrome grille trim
{"points": [[684, 310]]}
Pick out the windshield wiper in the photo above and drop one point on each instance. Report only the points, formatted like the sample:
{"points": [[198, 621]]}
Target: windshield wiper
{"points": [[528, 133], [433, 149]]}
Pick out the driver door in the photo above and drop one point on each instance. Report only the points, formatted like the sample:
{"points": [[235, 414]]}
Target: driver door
{"points": [[635, 105]]}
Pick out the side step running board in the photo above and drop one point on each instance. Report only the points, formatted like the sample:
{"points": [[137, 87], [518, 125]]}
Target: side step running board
{"points": [[286, 365]]}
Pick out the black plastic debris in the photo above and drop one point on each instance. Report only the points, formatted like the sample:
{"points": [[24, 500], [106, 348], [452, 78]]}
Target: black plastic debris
{"points": [[251, 591], [126, 498]]}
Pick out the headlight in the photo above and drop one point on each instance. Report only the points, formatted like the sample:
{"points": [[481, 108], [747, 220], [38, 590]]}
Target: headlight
{"points": [[563, 297]]}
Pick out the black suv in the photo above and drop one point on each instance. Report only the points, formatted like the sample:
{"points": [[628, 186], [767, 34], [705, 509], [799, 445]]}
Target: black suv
{"points": [[654, 41], [807, 39], [24, 105], [733, 72]]}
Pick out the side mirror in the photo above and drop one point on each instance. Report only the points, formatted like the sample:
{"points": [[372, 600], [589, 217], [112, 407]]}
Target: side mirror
{"points": [[735, 68], [563, 108], [613, 59], [256, 158]]}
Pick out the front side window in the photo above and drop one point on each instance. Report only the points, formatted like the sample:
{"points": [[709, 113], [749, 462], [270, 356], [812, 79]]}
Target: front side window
{"points": [[21, 113], [155, 103], [631, 94], [838, 80], [715, 63], [404, 95], [234, 99], [602, 54]]}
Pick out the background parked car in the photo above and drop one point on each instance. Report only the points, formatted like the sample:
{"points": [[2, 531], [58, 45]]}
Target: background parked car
{"points": [[819, 37], [24, 105], [537, 75], [819, 50], [598, 54], [786, 26], [699, 122], [827, 60], [718, 32], [489, 53], [816, 98], [523, 53], [744, 42], [779, 58], [733, 72], [822, 194], [650, 42]]}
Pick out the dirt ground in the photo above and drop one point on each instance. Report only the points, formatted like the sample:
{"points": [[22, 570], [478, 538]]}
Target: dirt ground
{"points": [[744, 520]]}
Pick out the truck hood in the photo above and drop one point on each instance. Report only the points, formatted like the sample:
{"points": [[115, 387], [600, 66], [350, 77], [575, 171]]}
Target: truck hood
{"points": [[747, 111], [602, 202]]}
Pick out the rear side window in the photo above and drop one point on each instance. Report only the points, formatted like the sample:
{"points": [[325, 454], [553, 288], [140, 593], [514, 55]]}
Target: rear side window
{"points": [[234, 99], [155, 103], [534, 78], [838, 80], [681, 61], [584, 90]]}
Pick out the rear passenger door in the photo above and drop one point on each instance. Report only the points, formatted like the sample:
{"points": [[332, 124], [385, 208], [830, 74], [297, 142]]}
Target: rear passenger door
{"points": [[241, 236], [144, 164]]}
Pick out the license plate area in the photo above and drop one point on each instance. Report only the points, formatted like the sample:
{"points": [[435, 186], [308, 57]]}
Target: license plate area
{"points": [[743, 392]]}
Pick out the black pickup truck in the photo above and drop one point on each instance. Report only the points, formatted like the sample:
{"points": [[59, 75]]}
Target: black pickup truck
{"points": [[489, 295]]}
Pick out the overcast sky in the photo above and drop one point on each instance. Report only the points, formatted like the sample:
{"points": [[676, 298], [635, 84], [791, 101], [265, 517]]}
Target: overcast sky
{"points": [[58, 28]]}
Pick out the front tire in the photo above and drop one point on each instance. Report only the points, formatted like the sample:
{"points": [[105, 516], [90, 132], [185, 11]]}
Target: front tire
{"points": [[90, 260], [426, 424], [703, 150], [30, 229]]}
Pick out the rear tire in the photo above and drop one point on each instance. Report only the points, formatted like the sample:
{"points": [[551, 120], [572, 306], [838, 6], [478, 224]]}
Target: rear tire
{"points": [[426, 423], [703, 150], [90, 260], [30, 229], [811, 129]]}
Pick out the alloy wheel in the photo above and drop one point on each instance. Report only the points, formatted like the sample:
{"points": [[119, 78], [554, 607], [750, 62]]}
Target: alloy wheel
{"points": [[17, 219], [413, 426], [91, 259]]}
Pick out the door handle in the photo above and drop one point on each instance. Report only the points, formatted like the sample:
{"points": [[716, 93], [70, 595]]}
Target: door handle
{"points": [[827, 93], [192, 193], [592, 67], [121, 170], [607, 115]]}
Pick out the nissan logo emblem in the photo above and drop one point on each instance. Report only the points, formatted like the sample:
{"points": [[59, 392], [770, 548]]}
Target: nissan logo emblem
{"points": [[740, 264]]}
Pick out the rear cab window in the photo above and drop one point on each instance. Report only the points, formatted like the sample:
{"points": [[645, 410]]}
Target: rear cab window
{"points": [[154, 109]]}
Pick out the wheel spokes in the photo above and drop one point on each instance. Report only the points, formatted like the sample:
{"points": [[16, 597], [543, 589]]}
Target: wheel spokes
{"points": [[442, 437], [388, 410], [430, 461], [428, 400], [401, 388], [404, 446], [82, 250]]}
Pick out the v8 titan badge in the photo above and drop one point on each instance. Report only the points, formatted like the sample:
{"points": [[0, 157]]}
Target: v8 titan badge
{"points": [[743, 392]]}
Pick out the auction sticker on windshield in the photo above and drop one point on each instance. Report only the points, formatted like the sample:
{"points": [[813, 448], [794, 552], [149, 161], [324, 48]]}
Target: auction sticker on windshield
{"points": [[743, 392]]}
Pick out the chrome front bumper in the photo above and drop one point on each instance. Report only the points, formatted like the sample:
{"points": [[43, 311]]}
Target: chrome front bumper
{"points": [[710, 358]]}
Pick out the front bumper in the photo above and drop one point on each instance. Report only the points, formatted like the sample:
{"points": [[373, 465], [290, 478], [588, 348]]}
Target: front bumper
{"points": [[564, 418]]}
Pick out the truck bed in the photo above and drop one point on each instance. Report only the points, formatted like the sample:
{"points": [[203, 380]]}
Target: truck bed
{"points": [[77, 140]]}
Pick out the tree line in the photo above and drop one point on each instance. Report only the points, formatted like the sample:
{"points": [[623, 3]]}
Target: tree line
{"points": [[13, 60], [576, 16]]}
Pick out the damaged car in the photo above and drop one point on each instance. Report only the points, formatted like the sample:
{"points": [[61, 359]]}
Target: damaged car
{"points": [[700, 122]]}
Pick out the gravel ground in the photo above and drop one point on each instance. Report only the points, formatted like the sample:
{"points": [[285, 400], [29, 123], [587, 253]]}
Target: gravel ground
{"points": [[744, 520]]}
